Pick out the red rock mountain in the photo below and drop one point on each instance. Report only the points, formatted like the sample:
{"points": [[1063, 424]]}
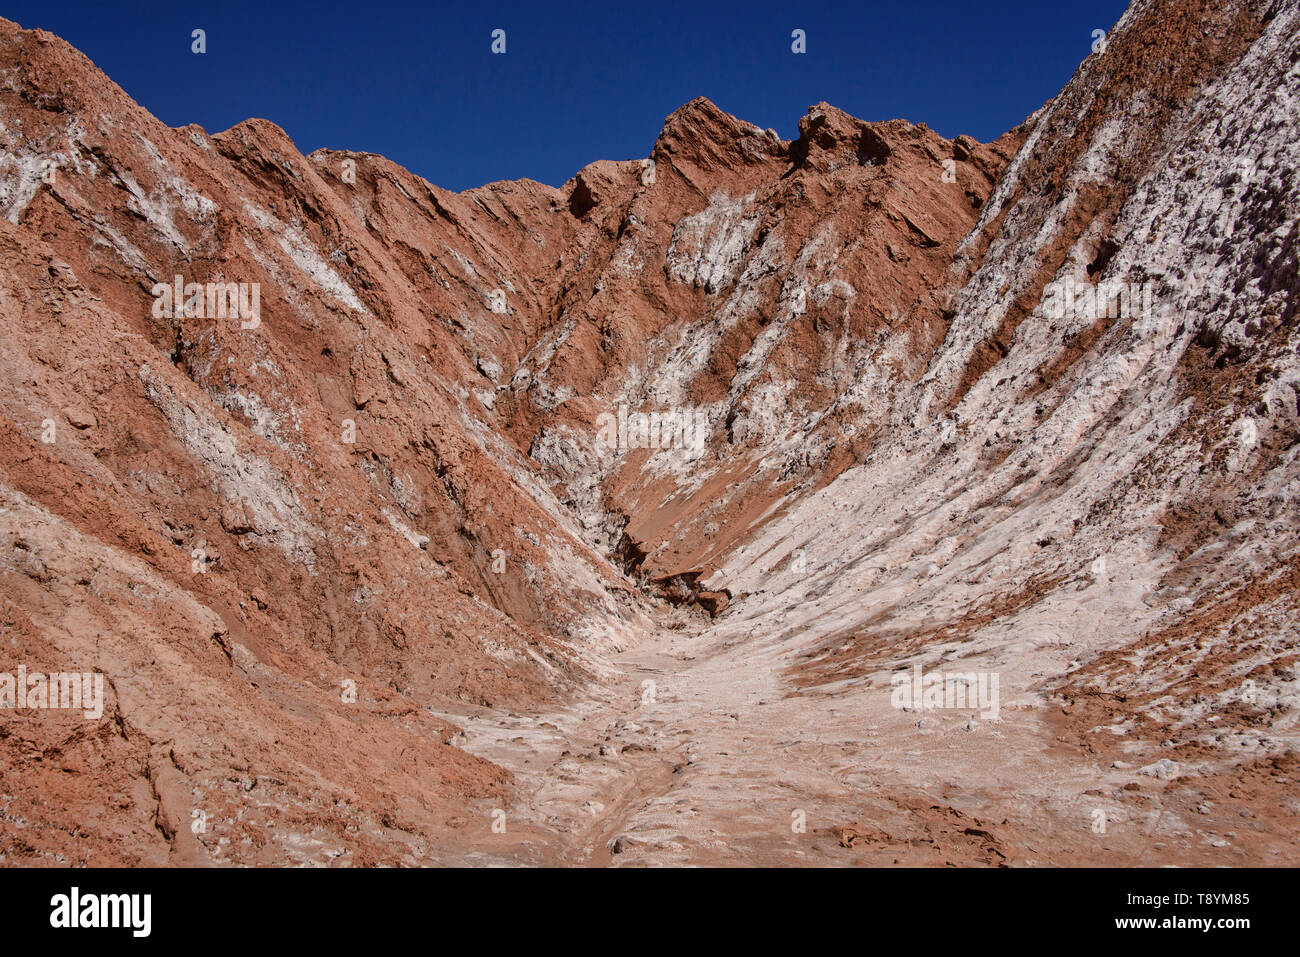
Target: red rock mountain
{"points": [[368, 584]]}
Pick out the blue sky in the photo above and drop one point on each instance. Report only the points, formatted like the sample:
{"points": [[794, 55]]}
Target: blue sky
{"points": [[418, 83]]}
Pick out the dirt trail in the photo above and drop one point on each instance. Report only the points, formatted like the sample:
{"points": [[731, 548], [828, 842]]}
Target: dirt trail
{"points": [[702, 753]]}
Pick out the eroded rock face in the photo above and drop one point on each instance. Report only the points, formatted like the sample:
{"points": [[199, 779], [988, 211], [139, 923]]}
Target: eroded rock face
{"points": [[416, 461]]}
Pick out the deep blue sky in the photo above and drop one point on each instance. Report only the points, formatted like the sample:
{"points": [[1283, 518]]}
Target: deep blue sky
{"points": [[417, 82]]}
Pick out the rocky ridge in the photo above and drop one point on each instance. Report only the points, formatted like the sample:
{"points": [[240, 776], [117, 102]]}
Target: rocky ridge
{"points": [[360, 573]]}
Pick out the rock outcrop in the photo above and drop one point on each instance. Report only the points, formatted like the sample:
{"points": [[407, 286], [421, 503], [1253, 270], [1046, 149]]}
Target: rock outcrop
{"points": [[331, 472]]}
